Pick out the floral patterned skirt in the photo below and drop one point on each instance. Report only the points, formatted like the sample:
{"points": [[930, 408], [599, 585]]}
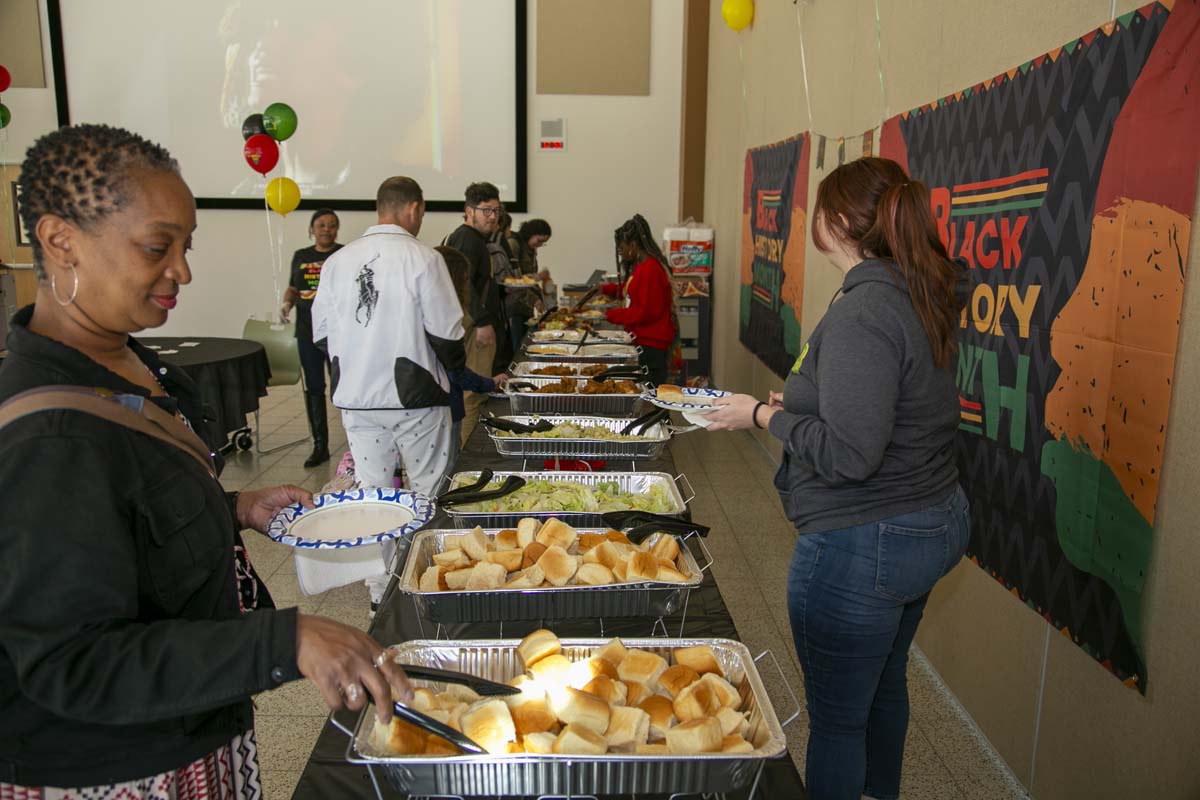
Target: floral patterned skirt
{"points": [[228, 773]]}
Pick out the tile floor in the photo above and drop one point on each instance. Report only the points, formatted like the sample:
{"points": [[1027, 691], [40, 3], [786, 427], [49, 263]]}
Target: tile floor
{"points": [[946, 756]]}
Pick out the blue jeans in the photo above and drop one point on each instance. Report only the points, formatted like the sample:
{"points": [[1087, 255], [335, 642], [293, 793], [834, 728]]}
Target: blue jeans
{"points": [[855, 598]]}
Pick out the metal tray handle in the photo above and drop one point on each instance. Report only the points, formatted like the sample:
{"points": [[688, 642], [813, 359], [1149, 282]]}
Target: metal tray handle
{"points": [[796, 714], [708, 557], [691, 493]]}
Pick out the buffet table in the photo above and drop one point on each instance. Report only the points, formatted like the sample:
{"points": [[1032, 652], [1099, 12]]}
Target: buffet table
{"points": [[327, 775]]}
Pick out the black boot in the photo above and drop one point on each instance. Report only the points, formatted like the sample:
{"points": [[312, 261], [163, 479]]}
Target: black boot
{"points": [[318, 423]]}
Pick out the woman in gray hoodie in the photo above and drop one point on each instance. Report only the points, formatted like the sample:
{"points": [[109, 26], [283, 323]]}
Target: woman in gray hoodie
{"points": [[867, 420]]}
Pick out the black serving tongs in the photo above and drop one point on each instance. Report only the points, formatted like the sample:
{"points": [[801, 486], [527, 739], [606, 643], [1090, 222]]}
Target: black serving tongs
{"points": [[521, 386], [641, 525], [645, 422], [480, 686], [512, 426], [627, 371], [474, 492], [592, 292]]}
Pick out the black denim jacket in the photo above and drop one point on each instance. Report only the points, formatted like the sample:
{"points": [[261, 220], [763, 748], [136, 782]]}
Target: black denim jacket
{"points": [[123, 649]]}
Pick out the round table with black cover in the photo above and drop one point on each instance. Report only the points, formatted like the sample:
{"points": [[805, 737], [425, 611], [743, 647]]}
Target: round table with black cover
{"points": [[328, 775], [232, 375]]}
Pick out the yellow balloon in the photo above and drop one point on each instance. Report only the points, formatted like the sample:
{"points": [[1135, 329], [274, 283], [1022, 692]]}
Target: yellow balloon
{"points": [[283, 195], [737, 13]]}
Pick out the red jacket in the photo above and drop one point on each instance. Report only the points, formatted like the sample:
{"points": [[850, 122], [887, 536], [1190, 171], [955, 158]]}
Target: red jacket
{"points": [[648, 315]]}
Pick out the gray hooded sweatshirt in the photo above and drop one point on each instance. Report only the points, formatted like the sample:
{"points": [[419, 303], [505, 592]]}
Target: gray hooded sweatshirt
{"points": [[868, 419]]}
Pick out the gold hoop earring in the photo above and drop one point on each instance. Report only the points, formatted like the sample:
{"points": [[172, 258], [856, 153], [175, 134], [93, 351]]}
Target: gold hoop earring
{"points": [[74, 288]]}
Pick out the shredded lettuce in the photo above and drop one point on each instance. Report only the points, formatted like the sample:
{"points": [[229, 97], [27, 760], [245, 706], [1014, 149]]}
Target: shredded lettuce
{"points": [[542, 496]]}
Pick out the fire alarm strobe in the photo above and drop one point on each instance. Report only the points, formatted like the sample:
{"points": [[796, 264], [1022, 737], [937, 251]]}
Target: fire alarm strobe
{"points": [[554, 134]]}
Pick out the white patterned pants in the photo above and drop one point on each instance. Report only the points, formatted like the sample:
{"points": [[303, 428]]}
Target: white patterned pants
{"points": [[419, 439]]}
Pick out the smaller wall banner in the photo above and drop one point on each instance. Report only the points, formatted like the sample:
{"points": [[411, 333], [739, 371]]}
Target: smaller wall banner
{"points": [[774, 225]]}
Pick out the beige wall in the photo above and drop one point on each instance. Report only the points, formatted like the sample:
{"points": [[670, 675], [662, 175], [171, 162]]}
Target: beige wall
{"points": [[1020, 680]]}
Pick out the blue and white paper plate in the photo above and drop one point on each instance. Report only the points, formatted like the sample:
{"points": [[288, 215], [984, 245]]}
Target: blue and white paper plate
{"points": [[351, 519], [702, 407]]}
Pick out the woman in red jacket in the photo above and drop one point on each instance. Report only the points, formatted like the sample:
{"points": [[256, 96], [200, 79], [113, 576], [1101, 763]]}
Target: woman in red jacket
{"points": [[649, 312]]}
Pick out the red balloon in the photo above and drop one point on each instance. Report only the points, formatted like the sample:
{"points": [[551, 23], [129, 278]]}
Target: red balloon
{"points": [[5, 79], [261, 153]]}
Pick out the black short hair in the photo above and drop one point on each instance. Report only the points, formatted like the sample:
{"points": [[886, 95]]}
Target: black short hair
{"points": [[323, 212], [397, 192], [533, 227], [481, 192], [459, 268], [81, 173]]}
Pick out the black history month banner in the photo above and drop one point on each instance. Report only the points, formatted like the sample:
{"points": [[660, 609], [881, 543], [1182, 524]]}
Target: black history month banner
{"points": [[1067, 184], [774, 221]]}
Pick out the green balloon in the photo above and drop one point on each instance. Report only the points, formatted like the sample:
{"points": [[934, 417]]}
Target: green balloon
{"points": [[279, 121], [5, 116]]}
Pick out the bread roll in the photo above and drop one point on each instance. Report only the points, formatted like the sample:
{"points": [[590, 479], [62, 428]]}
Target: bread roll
{"points": [[642, 567], [726, 695], [732, 722], [667, 546], [400, 737], [456, 711], [617, 537], [509, 559], [490, 725], [669, 392], [424, 700], [457, 693], [557, 532], [656, 749], [668, 574], [677, 678], [485, 576], [506, 540], [642, 666], [635, 692], [620, 571], [533, 716], [558, 565], [451, 559], [662, 716], [578, 740], [437, 746], [601, 666], [614, 652], [538, 645], [699, 658], [580, 709], [606, 689], [595, 575], [457, 580], [695, 702], [604, 553], [531, 554], [552, 672], [453, 541], [431, 579], [697, 736], [527, 531], [521, 581], [736, 744], [587, 541], [475, 544], [540, 743], [627, 727]]}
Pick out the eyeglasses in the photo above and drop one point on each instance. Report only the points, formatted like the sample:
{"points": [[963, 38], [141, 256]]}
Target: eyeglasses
{"points": [[487, 211]]}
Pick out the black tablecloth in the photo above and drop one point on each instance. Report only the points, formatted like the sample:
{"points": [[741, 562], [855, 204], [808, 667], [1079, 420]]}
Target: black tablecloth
{"points": [[232, 375], [327, 774]]}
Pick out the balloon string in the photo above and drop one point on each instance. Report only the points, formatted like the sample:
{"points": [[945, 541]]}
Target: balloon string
{"points": [[272, 250], [804, 69]]}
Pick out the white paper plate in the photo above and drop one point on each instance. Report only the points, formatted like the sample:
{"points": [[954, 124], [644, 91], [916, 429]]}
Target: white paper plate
{"points": [[354, 518], [702, 407]]}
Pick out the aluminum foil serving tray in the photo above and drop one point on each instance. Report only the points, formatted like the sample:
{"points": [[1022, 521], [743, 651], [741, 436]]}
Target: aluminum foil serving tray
{"points": [[610, 774], [629, 482], [650, 600], [656, 437]]}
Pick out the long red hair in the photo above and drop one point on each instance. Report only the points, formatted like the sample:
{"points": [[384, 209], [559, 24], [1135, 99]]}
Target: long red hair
{"points": [[873, 205]]}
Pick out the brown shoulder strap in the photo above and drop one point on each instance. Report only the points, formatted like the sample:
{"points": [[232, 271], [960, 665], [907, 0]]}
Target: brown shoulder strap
{"points": [[102, 403]]}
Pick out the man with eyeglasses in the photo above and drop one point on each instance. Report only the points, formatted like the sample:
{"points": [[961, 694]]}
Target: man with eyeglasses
{"points": [[486, 312]]}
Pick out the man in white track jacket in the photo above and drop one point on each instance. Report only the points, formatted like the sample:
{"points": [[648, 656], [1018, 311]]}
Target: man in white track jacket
{"points": [[393, 325]]}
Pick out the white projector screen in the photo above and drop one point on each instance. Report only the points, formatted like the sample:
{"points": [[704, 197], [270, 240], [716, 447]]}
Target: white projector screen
{"points": [[433, 89]]}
